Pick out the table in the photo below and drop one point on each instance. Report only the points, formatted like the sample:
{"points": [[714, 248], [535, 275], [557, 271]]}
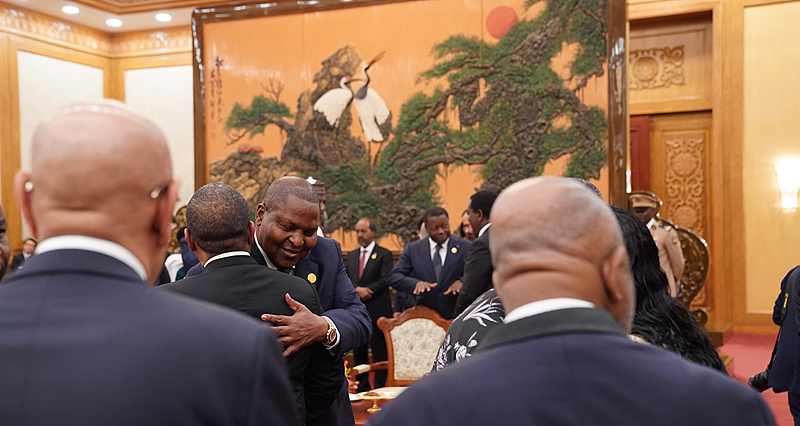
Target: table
{"points": [[360, 406]]}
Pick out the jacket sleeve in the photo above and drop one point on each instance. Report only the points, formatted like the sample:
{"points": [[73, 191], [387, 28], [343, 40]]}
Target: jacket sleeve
{"points": [[348, 313], [271, 400], [477, 274], [673, 246], [399, 278], [385, 264]]}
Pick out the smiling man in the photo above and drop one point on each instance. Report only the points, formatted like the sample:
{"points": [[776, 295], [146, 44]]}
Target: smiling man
{"points": [[286, 240], [431, 268]]}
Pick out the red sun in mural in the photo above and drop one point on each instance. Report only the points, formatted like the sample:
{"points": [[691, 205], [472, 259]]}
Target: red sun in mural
{"points": [[500, 20]]}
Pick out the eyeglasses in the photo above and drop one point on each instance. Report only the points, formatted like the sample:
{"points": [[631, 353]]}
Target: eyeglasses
{"points": [[160, 189]]}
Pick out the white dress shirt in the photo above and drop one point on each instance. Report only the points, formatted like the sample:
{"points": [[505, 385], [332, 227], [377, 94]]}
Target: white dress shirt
{"points": [[485, 227], [547, 305], [368, 249], [82, 242], [442, 251], [228, 254]]}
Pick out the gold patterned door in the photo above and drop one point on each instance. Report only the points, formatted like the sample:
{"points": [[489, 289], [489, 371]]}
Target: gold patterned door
{"points": [[679, 173]]}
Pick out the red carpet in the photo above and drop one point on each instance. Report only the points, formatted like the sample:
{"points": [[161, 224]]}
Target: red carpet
{"points": [[751, 354]]}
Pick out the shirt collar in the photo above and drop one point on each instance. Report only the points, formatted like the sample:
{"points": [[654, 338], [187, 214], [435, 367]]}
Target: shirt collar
{"points": [[228, 254], [369, 247], [269, 262], [97, 245], [651, 224], [547, 305], [485, 227], [433, 243]]}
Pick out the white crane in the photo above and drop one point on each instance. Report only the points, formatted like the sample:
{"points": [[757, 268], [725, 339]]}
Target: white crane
{"points": [[333, 103], [372, 110]]}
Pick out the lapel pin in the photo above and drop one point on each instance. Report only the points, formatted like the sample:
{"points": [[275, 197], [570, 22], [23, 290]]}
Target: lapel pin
{"points": [[374, 256], [311, 278], [454, 250]]}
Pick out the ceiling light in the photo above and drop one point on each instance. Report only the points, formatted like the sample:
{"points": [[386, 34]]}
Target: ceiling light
{"points": [[163, 17], [113, 22], [70, 10]]}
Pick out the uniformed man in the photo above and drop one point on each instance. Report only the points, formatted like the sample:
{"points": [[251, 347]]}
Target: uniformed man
{"points": [[670, 255]]}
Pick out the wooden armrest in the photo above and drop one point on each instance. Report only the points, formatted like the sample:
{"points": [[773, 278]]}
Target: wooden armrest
{"points": [[365, 368]]}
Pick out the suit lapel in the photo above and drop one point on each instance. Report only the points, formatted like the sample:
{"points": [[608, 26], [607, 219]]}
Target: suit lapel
{"points": [[255, 253], [450, 258], [308, 270], [425, 251], [352, 266]]}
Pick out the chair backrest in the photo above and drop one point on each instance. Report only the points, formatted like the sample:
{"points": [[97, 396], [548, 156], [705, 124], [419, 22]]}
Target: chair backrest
{"points": [[695, 269], [412, 340]]}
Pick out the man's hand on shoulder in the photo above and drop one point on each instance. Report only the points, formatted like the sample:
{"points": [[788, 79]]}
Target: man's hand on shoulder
{"points": [[299, 330], [423, 286], [364, 293]]}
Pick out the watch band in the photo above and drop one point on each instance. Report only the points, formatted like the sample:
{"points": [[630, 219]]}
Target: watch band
{"points": [[330, 335]]}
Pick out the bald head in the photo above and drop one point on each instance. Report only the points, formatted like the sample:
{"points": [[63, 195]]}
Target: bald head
{"points": [[100, 170], [280, 190], [568, 245]]}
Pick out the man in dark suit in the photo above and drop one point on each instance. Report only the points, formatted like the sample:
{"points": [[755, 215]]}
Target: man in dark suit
{"points": [[369, 267], [783, 374], [84, 340], [562, 355], [286, 239], [478, 264], [219, 231], [431, 268], [27, 251]]}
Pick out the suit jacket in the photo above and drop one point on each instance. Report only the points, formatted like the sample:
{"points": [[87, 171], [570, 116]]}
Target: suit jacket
{"points": [[574, 367], [83, 341], [240, 283], [17, 261], [376, 278], [415, 264], [783, 375], [477, 272], [324, 269]]}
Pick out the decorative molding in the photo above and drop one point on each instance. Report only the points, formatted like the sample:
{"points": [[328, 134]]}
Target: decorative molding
{"points": [[134, 6], [656, 68], [175, 40], [686, 183], [44, 28], [141, 43]]}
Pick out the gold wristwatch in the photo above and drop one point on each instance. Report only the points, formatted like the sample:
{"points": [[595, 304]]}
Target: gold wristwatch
{"points": [[330, 335]]}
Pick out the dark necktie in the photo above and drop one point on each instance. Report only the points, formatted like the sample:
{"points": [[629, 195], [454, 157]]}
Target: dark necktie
{"points": [[286, 270], [437, 262]]}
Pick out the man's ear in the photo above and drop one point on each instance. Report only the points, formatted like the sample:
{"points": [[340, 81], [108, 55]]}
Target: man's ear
{"points": [[190, 240], [616, 272], [251, 232], [164, 209], [260, 212], [24, 200]]}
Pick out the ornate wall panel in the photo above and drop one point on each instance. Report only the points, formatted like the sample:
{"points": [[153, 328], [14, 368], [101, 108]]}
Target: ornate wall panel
{"points": [[685, 180], [670, 66], [656, 68], [679, 175]]}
